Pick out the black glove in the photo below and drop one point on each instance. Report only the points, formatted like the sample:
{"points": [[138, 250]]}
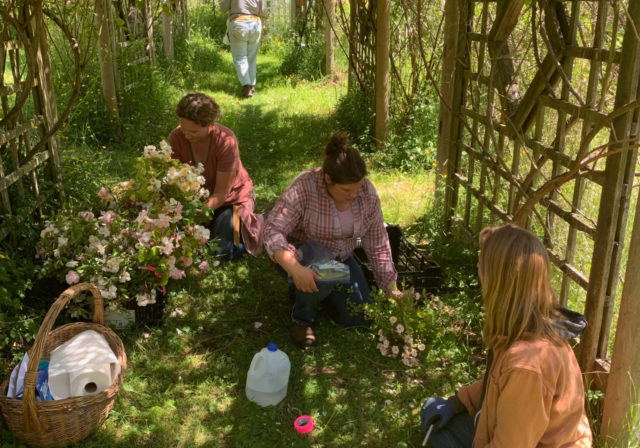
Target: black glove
{"points": [[438, 411]]}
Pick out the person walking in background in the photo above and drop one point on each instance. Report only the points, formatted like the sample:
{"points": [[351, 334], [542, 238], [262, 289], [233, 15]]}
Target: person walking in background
{"points": [[244, 29], [200, 140], [532, 394], [324, 211]]}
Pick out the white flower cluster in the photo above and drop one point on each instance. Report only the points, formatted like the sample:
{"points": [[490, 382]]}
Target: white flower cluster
{"points": [[399, 341], [164, 153], [146, 298], [123, 187], [189, 179], [49, 230]]}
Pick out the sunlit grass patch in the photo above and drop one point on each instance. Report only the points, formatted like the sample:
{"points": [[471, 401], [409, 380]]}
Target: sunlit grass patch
{"points": [[404, 197]]}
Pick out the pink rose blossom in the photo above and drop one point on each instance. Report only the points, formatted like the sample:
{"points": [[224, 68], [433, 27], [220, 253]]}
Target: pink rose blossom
{"points": [[203, 266], [142, 216], [72, 277], [86, 215], [107, 216], [176, 273], [104, 193]]}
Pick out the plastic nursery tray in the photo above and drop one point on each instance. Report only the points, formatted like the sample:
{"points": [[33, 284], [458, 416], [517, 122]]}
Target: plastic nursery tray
{"points": [[414, 269], [152, 314]]}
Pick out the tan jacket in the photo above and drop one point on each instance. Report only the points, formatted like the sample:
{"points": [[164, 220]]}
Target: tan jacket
{"points": [[534, 398]]}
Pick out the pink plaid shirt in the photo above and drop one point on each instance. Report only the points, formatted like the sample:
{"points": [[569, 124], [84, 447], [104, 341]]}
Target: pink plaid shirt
{"points": [[306, 212]]}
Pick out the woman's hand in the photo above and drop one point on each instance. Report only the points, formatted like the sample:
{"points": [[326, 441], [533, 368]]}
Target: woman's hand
{"points": [[395, 293], [305, 279]]}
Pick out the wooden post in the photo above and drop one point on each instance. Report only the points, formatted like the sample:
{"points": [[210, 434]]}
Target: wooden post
{"points": [[447, 86], [612, 193], [44, 98], [113, 44], [167, 34], [184, 9], [449, 167], [624, 377], [329, 19], [382, 71], [578, 189], [151, 48], [107, 72], [293, 10], [353, 7]]}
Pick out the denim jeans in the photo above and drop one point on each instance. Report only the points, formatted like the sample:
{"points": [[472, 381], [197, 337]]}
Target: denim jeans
{"points": [[244, 40], [458, 433], [339, 297], [221, 227]]}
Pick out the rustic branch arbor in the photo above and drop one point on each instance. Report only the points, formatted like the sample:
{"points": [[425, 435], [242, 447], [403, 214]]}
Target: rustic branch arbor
{"points": [[539, 125], [29, 119], [539, 111]]}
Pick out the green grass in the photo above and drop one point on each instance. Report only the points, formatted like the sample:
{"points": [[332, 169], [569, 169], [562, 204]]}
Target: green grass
{"points": [[185, 381]]}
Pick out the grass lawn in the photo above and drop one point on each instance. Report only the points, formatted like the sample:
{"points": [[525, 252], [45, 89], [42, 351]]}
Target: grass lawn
{"points": [[185, 382]]}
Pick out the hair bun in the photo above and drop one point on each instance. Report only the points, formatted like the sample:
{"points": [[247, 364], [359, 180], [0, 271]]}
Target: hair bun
{"points": [[339, 142]]}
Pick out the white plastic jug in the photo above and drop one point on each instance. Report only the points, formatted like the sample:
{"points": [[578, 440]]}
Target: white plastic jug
{"points": [[268, 376]]}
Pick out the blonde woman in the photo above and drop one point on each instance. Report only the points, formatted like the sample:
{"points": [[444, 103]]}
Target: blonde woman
{"points": [[532, 394]]}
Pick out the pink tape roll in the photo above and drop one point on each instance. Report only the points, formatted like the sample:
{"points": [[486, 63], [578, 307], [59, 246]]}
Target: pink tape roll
{"points": [[304, 424]]}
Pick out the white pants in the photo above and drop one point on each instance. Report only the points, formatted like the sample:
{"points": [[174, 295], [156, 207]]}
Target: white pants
{"points": [[244, 39]]}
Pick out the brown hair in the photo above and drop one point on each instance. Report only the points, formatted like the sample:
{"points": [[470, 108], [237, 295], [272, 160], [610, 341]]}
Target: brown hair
{"points": [[199, 108], [515, 275], [343, 163]]}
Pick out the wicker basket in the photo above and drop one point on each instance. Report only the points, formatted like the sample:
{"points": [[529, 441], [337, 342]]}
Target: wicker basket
{"points": [[61, 422]]}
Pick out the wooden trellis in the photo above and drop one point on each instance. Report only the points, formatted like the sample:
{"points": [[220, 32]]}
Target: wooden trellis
{"points": [[362, 44], [133, 42], [537, 88], [125, 44], [279, 13], [28, 108]]}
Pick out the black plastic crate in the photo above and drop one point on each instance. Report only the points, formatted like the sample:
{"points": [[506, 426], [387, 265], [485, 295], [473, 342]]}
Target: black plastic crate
{"points": [[414, 268], [151, 315]]}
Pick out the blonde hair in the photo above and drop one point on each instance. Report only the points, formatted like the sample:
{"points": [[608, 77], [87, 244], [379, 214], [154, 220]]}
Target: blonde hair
{"points": [[515, 275]]}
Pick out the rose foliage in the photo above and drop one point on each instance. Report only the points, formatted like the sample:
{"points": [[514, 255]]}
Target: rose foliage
{"points": [[405, 326], [139, 235]]}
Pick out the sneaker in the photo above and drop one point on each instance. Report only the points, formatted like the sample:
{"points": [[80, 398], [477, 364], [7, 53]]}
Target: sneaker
{"points": [[246, 91], [302, 335]]}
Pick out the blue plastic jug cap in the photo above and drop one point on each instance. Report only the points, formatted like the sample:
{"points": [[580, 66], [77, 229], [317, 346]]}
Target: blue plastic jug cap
{"points": [[272, 346]]}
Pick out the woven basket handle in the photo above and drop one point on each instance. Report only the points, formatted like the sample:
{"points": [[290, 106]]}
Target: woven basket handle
{"points": [[29, 394]]}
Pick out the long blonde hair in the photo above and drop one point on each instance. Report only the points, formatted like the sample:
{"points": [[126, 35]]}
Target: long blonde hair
{"points": [[515, 274]]}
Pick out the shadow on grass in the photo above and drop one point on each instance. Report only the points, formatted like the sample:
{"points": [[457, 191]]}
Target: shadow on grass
{"points": [[185, 381]]}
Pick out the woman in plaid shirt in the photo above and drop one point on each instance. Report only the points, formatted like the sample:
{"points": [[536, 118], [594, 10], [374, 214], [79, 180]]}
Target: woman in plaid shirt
{"points": [[327, 209]]}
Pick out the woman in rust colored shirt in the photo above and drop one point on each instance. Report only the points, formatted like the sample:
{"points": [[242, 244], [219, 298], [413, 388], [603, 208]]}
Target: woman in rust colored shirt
{"points": [[200, 140]]}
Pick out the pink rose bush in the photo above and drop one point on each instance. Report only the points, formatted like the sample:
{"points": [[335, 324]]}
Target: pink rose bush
{"points": [[139, 235]]}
